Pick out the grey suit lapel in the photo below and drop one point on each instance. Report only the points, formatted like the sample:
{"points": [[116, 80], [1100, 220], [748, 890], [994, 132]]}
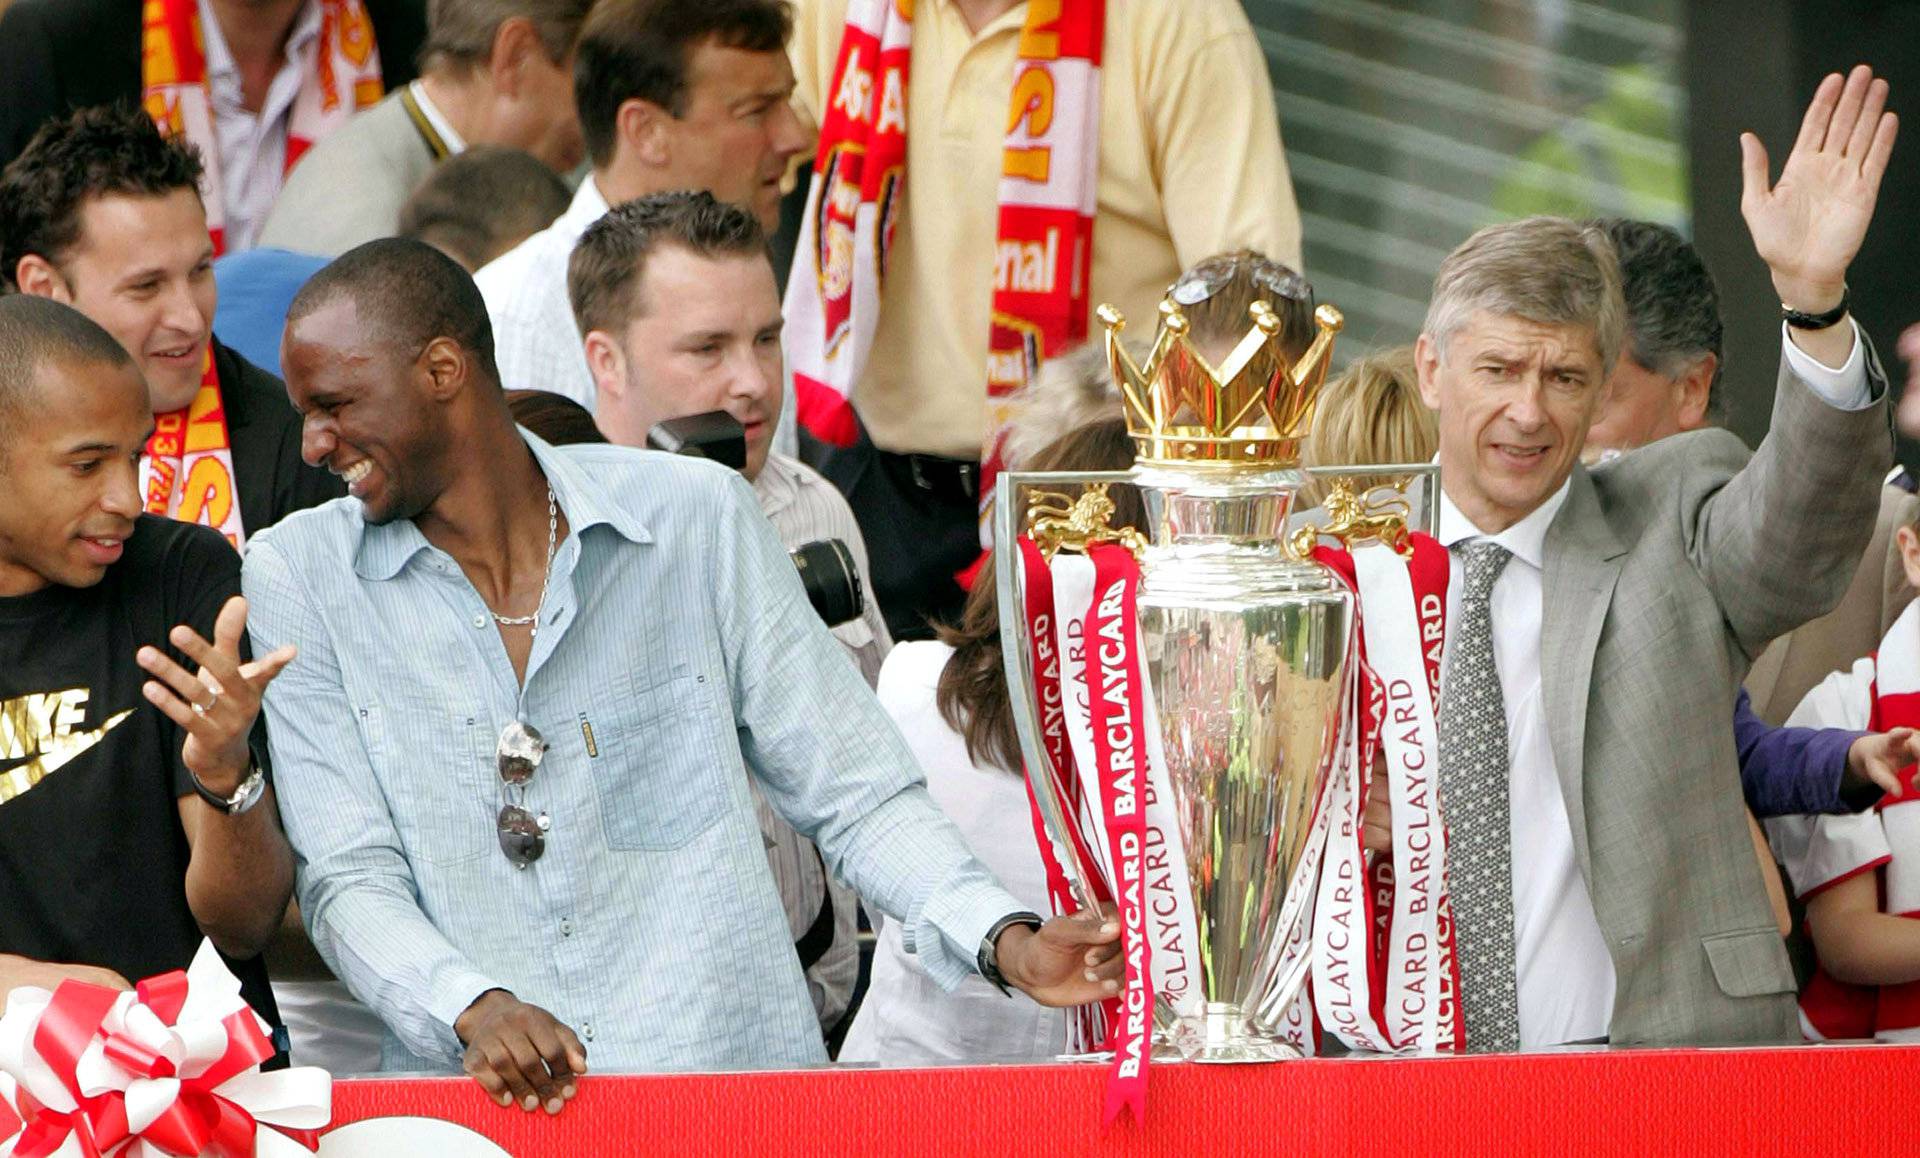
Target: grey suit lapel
{"points": [[1582, 560]]}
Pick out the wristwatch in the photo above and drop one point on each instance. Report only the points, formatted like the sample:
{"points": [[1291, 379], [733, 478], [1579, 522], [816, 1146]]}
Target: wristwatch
{"points": [[1800, 320], [252, 787], [987, 960]]}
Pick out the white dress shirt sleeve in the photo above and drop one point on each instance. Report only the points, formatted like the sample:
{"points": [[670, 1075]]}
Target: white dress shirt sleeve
{"points": [[356, 888], [1844, 388]]}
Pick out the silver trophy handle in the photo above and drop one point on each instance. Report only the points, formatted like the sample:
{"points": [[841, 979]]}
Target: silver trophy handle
{"points": [[1016, 654]]}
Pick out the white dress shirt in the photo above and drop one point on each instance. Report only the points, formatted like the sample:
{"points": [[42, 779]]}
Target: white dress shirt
{"points": [[1565, 975], [907, 1018], [253, 146], [535, 341]]}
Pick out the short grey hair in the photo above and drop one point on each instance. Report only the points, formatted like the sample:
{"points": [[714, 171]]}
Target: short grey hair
{"points": [[1547, 270], [1673, 306], [461, 31]]}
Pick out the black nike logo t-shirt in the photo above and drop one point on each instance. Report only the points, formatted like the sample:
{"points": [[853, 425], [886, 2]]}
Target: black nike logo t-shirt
{"points": [[93, 860]]}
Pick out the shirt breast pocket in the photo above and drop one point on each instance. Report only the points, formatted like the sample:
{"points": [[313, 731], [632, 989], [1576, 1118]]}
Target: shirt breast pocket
{"points": [[660, 771], [439, 805]]}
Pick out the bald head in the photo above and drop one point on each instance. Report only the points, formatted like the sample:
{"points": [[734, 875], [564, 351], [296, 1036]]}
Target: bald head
{"points": [[39, 333]]}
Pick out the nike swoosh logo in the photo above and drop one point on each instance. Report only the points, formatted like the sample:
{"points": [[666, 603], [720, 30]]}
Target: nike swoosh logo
{"points": [[55, 754]]}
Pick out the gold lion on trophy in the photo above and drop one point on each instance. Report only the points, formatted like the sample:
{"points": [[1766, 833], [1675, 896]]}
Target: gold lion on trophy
{"points": [[1357, 518], [1057, 522]]}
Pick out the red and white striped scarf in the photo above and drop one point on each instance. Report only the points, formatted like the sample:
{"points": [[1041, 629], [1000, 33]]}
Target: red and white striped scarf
{"points": [[1043, 253], [173, 85]]}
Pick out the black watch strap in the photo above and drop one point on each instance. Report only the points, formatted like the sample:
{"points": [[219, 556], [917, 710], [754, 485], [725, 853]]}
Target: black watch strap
{"points": [[1805, 321], [252, 787], [988, 960]]}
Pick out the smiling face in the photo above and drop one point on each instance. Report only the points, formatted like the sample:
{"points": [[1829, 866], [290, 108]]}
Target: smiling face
{"points": [[71, 474], [365, 414], [705, 336], [1515, 399], [143, 269], [737, 131]]}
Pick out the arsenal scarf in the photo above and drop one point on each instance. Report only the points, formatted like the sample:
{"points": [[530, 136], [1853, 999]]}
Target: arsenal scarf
{"points": [[345, 77], [1045, 237], [187, 472]]}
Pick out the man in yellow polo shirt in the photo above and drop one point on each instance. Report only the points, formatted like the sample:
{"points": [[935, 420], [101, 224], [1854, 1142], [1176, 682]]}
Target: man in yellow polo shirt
{"points": [[1189, 164]]}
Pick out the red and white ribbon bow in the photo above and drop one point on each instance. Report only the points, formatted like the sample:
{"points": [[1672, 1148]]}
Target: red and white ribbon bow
{"points": [[171, 1068]]}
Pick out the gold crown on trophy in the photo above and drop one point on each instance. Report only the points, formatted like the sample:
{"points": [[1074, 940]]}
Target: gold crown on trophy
{"points": [[1252, 411]]}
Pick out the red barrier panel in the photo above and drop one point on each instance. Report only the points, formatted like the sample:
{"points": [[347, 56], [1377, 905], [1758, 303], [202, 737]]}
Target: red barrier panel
{"points": [[1807, 1102]]}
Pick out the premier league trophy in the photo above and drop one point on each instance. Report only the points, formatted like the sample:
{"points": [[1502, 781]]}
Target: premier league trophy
{"points": [[1243, 642]]}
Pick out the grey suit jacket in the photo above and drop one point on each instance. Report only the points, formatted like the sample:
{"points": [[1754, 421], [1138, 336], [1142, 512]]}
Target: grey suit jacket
{"points": [[349, 188], [1795, 662], [1667, 571]]}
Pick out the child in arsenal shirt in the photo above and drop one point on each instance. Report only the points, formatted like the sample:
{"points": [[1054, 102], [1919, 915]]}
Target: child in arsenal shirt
{"points": [[1859, 875]]}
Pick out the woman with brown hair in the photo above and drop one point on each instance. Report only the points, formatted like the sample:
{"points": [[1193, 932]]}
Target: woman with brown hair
{"points": [[950, 699]]}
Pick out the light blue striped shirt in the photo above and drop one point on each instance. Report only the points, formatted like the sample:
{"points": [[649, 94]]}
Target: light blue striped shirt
{"points": [[676, 652]]}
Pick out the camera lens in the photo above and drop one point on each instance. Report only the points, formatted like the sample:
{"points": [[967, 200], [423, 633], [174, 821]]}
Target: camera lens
{"points": [[831, 581]]}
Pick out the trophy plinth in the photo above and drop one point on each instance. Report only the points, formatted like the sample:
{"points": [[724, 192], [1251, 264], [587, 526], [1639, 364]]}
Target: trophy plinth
{"points": [[1219, 1034]]}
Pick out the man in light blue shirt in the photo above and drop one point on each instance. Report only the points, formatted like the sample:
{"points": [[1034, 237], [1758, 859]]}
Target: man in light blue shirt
{"points": [[636, 610]]}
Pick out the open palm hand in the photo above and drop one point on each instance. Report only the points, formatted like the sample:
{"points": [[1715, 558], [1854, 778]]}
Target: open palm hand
{"points": [[1809, 225]]}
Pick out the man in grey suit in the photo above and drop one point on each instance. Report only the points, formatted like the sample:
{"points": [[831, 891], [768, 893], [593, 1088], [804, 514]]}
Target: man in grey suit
{"points": [[494, 72], [1599, 621]]}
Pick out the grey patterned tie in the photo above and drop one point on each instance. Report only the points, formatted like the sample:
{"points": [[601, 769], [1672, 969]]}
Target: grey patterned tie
{"points": [[1474, 793]]}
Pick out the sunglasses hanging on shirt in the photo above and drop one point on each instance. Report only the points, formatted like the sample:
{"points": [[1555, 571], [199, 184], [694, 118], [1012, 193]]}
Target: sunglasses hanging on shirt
{"points": [[1209, 278], [523, 835]]}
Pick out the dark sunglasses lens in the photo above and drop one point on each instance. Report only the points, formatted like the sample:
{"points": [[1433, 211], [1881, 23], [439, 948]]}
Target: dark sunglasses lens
{"points": [[521, 747], [522, 837]]}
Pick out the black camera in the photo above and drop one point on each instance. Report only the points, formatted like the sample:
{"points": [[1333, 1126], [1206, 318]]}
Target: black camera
{"points": [[827, 570]]}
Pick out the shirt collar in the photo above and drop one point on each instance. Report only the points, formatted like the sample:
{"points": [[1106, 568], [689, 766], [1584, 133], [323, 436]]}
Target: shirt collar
{"points": [[449, 136], [219, 58], [777, 486], [1526, 539], [587, 207], [1013, 19], [385, 549]]}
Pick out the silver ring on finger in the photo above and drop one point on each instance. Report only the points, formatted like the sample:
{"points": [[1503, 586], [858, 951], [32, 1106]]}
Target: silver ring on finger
{"points": [[203, 709]]}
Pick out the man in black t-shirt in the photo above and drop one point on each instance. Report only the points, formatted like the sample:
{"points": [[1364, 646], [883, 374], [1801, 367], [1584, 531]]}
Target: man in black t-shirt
{"points": [[103, 213], [134, 818]]}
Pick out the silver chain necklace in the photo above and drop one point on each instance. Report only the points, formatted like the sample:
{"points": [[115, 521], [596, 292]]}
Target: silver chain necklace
{"points": [[553, 530]]}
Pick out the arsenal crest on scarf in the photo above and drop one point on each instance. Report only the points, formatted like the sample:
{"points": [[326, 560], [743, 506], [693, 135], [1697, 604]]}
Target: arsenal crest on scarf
{"points": [[1044, 250]]}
